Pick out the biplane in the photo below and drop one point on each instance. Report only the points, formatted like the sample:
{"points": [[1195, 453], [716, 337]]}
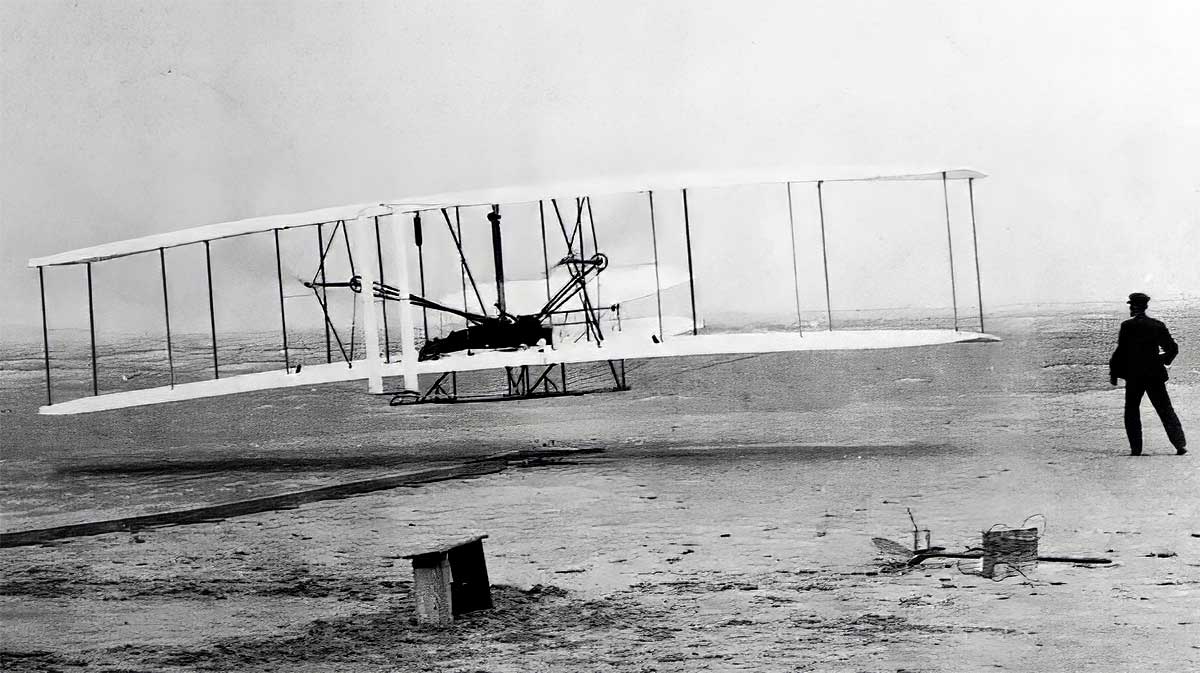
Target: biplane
{"points": [[529, 328]]}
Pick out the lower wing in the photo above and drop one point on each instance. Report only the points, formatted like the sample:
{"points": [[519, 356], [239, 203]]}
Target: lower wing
{"points": [[625, 345]]}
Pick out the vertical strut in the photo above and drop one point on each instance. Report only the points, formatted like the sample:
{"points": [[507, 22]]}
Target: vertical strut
{"points": [[400, 276], [591, 320], [324, 293], [950, 250], [366, 297], [545, 254], [462, 271], [975, 242], [657, 281], [419, 239], [577, 232], [824, 253], [687, 232], [583, 298], [349, 249], [162, 265], [387, 351], [795, 269], [498, 258], [595, 250], [212, 314], [92, 331], [45, 333], [287, 365]]}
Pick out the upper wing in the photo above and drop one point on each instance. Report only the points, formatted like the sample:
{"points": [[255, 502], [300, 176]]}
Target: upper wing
{"points": [[209, 232], [517, 194], [629, 184]]}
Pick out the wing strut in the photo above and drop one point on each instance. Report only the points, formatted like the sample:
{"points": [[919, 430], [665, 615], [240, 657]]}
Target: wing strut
{"points": [[387, 351], [212, 314], [687, 232], [950, 250], [329, 327], [595, 246], [975, 241], [287, 365], [587, 299], [349, 249], [162, 265], [374, 363], [419, 239], [462, 271], [463, 257], [45, 333], [795, 270], [321, 273], [325, 251], [321, 293], [574, 228], [353, 327], [545, 255], [320, 290], [576, 266], [577, 231], [92, 331], [399, 257], [824, 252], [657, 281]]}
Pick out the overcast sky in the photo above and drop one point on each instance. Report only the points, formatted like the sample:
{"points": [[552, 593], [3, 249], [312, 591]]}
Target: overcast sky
{"points": [[121, 119]]}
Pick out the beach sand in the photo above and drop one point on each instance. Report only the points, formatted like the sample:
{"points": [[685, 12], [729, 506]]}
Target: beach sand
{"points": [[726, 525]]}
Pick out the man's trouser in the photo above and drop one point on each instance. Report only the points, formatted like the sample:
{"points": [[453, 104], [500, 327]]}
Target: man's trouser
{"points": [[1157, 392]]}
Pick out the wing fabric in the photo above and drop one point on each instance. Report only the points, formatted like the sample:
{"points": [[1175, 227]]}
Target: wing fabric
{"points": [[626, 345]]}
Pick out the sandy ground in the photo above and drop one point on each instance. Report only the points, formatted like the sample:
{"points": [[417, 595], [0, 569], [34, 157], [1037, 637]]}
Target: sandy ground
{"points": [[723, 528]]}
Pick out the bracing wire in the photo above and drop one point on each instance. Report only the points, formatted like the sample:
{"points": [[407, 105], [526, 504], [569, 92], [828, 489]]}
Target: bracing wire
{"points": [[593, 320], [353, 327], [332, 327], [349, 250], [466, 267], [325, 251]]}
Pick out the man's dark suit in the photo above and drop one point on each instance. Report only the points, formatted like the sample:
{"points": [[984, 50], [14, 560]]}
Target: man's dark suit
{"points": [[1138, 361]]}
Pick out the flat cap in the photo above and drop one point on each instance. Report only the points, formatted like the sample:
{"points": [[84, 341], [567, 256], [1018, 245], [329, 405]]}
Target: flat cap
{"points": [[1139, 299]]}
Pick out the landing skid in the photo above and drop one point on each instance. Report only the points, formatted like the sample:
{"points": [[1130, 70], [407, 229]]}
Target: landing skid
{"points": [[524, 382]]}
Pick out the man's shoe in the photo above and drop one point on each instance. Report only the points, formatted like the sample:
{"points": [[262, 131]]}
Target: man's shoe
{"points": [[1135, 453], [1180, 451]]}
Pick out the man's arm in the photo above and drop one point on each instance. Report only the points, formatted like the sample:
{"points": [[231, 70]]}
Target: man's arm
{"points": [[1114, 361], [1168, 345]]}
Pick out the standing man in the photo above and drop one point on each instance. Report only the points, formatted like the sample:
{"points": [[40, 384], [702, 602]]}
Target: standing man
{"points": [[1139, 361]]}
